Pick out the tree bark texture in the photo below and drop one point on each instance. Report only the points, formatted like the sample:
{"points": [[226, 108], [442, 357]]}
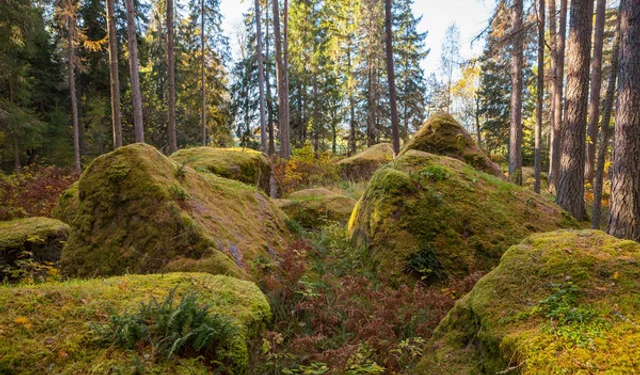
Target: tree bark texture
{"points": [[116, 117], [515, 132], [391, 77], [136, 94], [556, 131], [540, 98], [171, 85], [259, 60]]}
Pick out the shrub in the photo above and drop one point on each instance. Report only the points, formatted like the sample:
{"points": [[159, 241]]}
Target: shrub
{"points": [[306, 168]]}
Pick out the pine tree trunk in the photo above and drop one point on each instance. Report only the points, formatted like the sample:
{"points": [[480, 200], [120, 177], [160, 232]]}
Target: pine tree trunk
{"points": [[116, 118], [263, 125], [283, 120], [556, 131], [352, 109], [272, 146], [571, 179], [391, 78], [605, 134], [624, 221], [596, 86], [540, 98], [285, 130], [515, 133], [136, 94], [171, 70], [203, 78], [371, 123], [552, 67], [71, 30]]}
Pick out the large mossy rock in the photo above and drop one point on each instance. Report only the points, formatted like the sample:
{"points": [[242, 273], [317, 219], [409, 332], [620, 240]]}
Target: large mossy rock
{"points": [[362, 165], [51, 327], [240, 164], [442, 135], [314, 207], [564, 302], [433, 217], [34, 239], [138, 211]]}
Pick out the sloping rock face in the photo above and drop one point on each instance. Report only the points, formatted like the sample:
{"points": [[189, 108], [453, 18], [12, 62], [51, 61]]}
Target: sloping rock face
{"points": [[361, 166], [563, 302], [240, 164], [138, 211], [442, 135], [432, 217], [314, 207], [54, 326], [34, 239]]}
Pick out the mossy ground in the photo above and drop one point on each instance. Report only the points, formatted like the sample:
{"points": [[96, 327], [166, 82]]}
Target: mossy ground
{"points": [[314, 207], [240, 164], [140, 212], [25, 243], [47, 328], [563, 302], [442, 135], [435, 217], [362, 165]]}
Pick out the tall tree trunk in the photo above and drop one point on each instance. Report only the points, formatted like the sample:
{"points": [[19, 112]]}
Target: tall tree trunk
{"points": [[116, 118], [171, 70], [540, 98], [552, 67], [391, 78], [203, 77], [596, 85], [571, 180], [477, 116], [624, 221], [283, 120], [352, 108], [605, 134], [272, 146], [371, 123], [515, 132], [556, 131], [136, 94], [286, 134], [71, 31], [263, 125]]}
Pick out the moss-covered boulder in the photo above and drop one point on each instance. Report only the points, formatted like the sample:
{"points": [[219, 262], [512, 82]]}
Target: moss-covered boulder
{"points": [[58, 327], [442, 135], [564, 302], [240, 164], [26, 243], [433, 216], [313, 207], [362, 165], [141, 212], [67, 204]]}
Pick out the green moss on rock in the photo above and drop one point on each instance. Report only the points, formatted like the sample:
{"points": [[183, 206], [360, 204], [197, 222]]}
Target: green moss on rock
{"points": [[433, 216], [67, 204], [362, 165], [313, 207], [442, 135], [39, 239], [563, 302], [240, 164], [140, 212], [48, 327]]}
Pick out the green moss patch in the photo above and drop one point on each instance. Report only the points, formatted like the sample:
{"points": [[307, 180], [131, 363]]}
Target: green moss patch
{"points": [[432, 216], [140, 212], [563, 302], [240, 164], [362, 165], [442, 135], [314, 207], [25, 243], [54, 327]]}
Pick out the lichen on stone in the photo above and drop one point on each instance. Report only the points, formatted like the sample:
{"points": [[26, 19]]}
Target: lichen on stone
{"points": [[240, 164], [314, 207], [563, 302], [52, 325], [362, 165], [423, 203], [138, 211], [442, 135]]}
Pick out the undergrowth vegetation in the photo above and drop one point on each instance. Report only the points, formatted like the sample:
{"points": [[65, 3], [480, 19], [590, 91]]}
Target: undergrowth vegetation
{"points": [[333, 316], [33, 191]]}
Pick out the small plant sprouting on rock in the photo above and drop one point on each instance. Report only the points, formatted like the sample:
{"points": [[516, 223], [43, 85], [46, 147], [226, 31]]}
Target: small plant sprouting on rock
{"points": [[186, 329], [179, 193], [435, 173], [425, 265]]}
